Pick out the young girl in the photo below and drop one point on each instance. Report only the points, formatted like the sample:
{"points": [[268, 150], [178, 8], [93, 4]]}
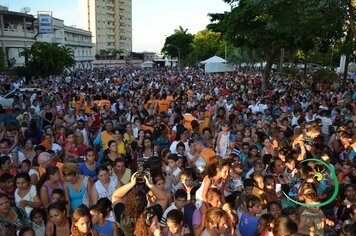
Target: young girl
{"points": [[222, 142], [264, 225], [37, 217], [235, 178], [90, 166], [81, 222], [103, 226], [216, 223], [217, 175]]}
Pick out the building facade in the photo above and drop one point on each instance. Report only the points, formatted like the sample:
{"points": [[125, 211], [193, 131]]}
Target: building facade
{"points": [[20, 30], [110, 22]]}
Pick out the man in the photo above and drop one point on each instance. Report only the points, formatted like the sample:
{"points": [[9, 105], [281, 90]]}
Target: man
{"points": [[206, 156], [45, 160], [80, 126]]}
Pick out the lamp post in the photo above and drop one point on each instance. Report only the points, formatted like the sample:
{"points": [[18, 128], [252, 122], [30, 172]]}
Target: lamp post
{"points": [[170, 45]]}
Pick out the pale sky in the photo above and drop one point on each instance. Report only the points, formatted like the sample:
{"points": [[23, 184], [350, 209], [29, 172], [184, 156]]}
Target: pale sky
{"points": [[152, 20]]}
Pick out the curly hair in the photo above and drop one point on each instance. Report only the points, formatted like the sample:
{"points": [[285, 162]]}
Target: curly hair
{"points": [[141, 227], [136, 202]]}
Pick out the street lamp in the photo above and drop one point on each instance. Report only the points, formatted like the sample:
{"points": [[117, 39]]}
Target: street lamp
{"points": [[170, 45]]}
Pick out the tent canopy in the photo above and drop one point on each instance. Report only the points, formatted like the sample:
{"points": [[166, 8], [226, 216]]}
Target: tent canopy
{"points": [[147, 64], [214, 59]]}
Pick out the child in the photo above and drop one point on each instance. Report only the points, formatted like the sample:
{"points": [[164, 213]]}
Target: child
{"points": [[70, 152], [174, 171], [37, 217], [190, 154], [7, 186], [249, 221], [235, 176], [217, 175], [11, 133], [6, 167], [186, 178], [103, 226], [223, 139], [264, 225], [58, 195]]}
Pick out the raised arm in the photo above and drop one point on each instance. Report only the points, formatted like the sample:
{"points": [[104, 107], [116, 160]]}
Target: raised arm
{"points": [[121, 192], [159, 194]]}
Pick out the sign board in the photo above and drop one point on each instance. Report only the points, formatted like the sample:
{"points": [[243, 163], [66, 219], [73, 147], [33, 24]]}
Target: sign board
{"points": [[45, 23]]}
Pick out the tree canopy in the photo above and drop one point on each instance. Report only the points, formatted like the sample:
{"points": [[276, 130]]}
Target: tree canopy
{"points": [[44, 59], [269, 26]]}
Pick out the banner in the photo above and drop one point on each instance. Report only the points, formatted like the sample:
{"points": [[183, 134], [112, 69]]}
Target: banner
{"points": [[45, 23]]}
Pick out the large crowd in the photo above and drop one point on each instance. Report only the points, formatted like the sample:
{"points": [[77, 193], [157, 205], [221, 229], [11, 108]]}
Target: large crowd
{"points": [[144, 152]]}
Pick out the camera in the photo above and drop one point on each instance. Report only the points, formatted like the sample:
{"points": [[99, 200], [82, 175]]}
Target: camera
{"points": [[141, 172]]}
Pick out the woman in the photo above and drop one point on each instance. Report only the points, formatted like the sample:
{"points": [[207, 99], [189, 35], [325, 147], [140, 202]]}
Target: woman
{"points": [[12, 219], [29, 150], [76, 188], [175, 223], [215, 223], [148, 223], [121, 172], [26, 168], [51, 181], [26, 194], [111, 154], [148, 149], [129, 204], [47, 116], [81, 222], [105, 186], [99, 214], [58, 223], [268, 148], [89, 167], [284, 227], [80, 146]]}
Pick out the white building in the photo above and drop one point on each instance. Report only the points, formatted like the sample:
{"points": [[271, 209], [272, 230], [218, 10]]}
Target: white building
{"points": [[19, 30]]}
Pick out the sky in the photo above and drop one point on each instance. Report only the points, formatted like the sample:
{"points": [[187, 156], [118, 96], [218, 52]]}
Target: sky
{"points": [[152, 20]]}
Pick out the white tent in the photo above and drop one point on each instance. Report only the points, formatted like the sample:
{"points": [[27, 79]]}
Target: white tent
{"points": [[147, 64], [216, 64], [214, 59]]}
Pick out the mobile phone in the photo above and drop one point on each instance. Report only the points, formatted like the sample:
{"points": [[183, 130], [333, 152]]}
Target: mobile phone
{"points": [[278, 188]]}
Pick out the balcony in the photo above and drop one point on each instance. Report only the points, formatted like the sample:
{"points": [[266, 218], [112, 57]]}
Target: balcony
{"points": [[78, 43], [18, 33]]}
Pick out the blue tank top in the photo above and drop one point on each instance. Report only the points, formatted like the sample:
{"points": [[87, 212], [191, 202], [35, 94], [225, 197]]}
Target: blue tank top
{"points": [[76, 198], [105, 229]]}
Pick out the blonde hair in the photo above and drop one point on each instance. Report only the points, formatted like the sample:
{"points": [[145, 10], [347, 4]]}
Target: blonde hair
{"points": [[70, 168]]}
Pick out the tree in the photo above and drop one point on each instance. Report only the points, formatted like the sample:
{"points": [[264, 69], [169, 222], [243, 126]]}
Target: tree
{"points": [[44, 59], [180, 42], [269, 26], [206, 44]]}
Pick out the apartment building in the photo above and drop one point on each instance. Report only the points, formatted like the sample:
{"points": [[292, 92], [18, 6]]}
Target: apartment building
{"points": [[110, 22]]}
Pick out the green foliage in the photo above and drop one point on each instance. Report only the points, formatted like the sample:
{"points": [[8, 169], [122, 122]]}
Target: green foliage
{"points": [[206, 44], [324, 76], [180, 40], [44, 59], [268, 26]]}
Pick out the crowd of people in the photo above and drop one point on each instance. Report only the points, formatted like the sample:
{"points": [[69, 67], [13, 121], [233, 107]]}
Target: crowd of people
{"points": [[130, 151]]}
